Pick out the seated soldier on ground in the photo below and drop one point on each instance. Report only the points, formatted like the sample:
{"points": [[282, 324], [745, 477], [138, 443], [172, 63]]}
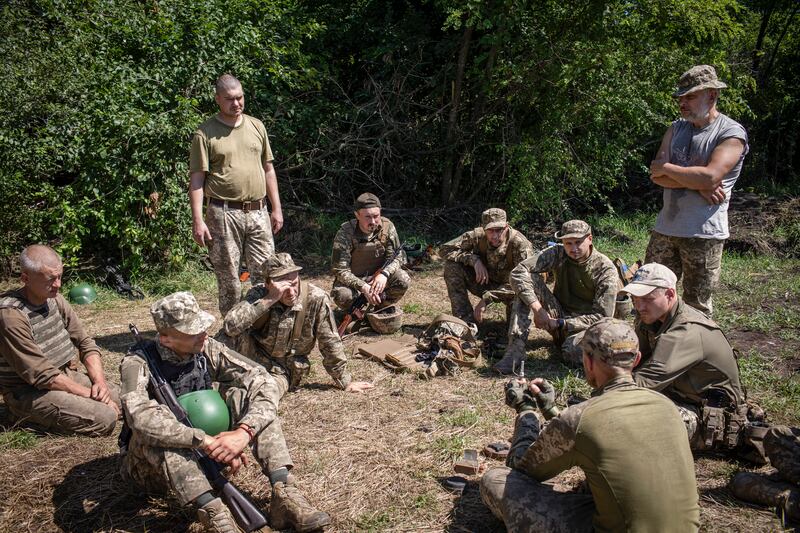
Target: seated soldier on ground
{"points": [[686, 357], [278, 324], [360, 248], [782, 447], [39, 333], [629, 442], [585, 290], [160, 454], [479, 262]]}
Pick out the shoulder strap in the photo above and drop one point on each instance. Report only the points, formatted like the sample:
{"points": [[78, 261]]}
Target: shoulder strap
{"points": [[297, 329]]}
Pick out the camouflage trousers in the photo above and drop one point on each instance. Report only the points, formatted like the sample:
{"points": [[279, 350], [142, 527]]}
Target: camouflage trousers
{"points": [[236, 232], [176, 470], [460, 280], [62, 412], [782, 446], [396, 287], [692, 419], [698, 261], [526, 505], [522, 316]]}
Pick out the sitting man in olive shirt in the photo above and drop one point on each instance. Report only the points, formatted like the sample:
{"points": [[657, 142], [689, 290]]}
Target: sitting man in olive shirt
{"points": [[39, 333], [628, 440]]}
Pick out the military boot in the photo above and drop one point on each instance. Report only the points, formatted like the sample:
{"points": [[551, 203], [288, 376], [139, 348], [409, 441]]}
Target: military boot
{"points": [[760, 490], [216, 517], [511, 361], [290, 508]]}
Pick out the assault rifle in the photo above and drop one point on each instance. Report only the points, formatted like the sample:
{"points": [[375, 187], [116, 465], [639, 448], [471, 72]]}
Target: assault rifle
{"points": [[359, 306], [247, 515]]}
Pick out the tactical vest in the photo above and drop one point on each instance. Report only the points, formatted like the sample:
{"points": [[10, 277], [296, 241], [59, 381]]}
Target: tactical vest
{"points": [[184, 377], [482, 244], [49, 333], [368, 255]]}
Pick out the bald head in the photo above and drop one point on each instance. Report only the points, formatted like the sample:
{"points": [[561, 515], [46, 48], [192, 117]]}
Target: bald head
{"points": [[37, 257], [226, 83]]}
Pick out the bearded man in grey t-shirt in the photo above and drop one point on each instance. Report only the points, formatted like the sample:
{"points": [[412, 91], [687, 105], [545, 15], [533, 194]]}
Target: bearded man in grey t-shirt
{"points": [[698, 163]]}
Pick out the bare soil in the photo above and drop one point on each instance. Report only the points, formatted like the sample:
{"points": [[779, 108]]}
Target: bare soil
{"points": [[374, 462]]}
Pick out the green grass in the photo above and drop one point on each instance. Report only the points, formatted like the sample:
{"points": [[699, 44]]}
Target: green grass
{"points": [[450, 447], [414, 309], [17, 440], [461, 418], [377, 521], [780, 397]]}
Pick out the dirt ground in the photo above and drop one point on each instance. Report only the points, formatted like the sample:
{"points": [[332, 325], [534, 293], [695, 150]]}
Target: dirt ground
{"points": [[374, 462]]}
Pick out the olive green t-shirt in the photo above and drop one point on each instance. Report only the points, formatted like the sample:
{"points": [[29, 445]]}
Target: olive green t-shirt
{"points": [[232, 157]]}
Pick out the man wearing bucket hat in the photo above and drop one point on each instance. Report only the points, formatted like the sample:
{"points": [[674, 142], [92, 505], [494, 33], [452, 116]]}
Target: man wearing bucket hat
{"points": [[628, 440], [697, 165], [585, 290], [278, 324], [479, 262], [39, 335], [686, 357], [361, 246], [160, 454]]}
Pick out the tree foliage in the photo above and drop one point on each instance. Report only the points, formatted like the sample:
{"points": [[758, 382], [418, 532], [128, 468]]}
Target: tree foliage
{"points": [[549, 108]]}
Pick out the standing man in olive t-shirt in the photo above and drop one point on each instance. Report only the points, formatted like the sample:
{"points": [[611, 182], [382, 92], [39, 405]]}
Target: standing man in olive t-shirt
{"points": [[231, 169]]}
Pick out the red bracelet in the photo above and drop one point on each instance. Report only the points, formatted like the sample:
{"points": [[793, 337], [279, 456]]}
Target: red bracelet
{"points": [[248, 430]]}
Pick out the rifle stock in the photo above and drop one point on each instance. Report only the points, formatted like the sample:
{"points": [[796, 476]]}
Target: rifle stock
{"points": [[360, 304], [247, 515]]}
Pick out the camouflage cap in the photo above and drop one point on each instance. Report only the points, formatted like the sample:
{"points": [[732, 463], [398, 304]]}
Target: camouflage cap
{"points": [[180, 311], [611, 340], [698, 78], [573, 229], [278, 265], [650, 277], [366, 200], [493, 218]]}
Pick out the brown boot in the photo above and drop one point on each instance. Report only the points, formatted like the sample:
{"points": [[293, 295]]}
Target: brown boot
{"points": [[511, 361], [760, 490], [216, 517], [290, 508]]}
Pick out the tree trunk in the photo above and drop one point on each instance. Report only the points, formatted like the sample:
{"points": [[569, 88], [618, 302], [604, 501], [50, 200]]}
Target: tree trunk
{"points": [[452, 121]]}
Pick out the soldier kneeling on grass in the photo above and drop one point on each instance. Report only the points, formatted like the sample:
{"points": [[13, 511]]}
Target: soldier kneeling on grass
{"points": [[160, 454], [628, 440]]}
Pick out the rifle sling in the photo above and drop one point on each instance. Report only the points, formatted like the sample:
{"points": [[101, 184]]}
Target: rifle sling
{"points": [[297, 329]]}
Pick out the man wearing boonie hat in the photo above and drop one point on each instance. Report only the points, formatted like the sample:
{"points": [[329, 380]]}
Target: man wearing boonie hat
{"points": [[160, 455], [361, 246], [697, 165], [585, 290], [685, 355], [278, 323], [624, 437], [480, 261]]}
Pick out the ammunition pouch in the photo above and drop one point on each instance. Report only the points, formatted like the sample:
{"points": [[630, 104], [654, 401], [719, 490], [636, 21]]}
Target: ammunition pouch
{"points": [[723, 428], [295, 368]]}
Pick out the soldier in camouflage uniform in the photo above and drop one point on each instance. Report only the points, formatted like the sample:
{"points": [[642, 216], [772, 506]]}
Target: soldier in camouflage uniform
{"points": [[39, 334], [585, 290], [231, 169], [277, 324], [782, 447], [360, 248], [628, 440], [685, 355], [698, 163], [160, 454], [479, 262]]}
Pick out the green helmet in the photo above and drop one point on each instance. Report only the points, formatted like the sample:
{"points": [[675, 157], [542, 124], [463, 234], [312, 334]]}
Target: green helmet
{"points": [[82, 294], [207, 410]]}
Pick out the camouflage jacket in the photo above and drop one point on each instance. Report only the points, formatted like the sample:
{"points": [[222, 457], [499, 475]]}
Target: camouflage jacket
{"points": [[626, 439], [587, 291], [349, 236], [686, 357], [272, 326], [473, 245], [238, 378]]}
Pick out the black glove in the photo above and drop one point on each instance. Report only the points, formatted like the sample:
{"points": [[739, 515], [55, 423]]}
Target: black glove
{"points": [[518, 397], [546, 399]]}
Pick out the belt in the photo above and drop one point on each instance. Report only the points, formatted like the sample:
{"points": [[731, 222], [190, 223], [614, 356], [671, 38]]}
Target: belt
{"points": [[253, 205]]}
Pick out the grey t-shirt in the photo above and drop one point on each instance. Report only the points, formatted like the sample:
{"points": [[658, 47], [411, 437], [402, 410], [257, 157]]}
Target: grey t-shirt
{"points": [[685, 212]]}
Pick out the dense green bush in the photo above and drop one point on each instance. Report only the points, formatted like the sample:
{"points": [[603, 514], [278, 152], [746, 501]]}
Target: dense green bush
{"points": [[549, 108]]}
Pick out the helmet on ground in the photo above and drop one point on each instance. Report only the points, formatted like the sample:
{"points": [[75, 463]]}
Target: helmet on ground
{"points": [[387, 320], [82, 294], [207, 410]]}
